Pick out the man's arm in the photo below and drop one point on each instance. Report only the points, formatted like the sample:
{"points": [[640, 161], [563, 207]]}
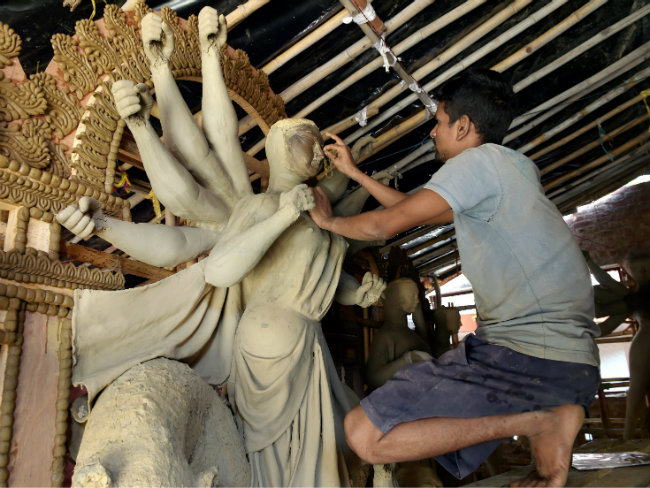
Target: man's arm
{"points": [[340, 155], [425, 207], [219, 117]]}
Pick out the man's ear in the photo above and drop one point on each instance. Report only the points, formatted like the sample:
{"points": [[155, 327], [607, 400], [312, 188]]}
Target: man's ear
{"points": [[463, 126]]}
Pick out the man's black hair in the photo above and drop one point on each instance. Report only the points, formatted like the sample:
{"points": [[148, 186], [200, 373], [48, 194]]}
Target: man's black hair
{"points": [[484, 96]]}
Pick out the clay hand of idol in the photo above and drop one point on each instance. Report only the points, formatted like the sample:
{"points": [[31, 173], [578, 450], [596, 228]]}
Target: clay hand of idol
{"points": [[84, 218], [339, 154], [383, 176], [158, 40], [133, 102], [296, 200], [213, 30], [371, 289]]}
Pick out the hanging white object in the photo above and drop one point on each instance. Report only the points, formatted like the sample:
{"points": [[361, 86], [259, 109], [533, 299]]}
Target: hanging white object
{"points": [[384, 51], [362, 116], [367, 15]]}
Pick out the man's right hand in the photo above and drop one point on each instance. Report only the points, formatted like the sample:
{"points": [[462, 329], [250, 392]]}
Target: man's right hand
{"points": [[158, 40], [340, 155], [82, 219]]}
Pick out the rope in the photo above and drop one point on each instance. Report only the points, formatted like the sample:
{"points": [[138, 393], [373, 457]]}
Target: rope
{"points": [[156, 205]]}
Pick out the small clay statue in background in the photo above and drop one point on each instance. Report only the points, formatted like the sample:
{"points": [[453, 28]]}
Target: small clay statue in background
{"points": [[394, 345]]}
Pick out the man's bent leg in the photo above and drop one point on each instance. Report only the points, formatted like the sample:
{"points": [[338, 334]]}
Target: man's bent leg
{"points": [[551, 434]]}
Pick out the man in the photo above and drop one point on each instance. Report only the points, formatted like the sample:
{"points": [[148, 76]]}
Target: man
{"points": [[532, 368]]}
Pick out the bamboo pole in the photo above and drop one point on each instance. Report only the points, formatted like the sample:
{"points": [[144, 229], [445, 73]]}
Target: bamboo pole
{"points": [[390, 136], [560, 101], [449, 53], [584, 129], [612, 71], [407, 43], [341, 59], [243, 11], [608, 179], [549, 35], [307, 41], [608, 97], [425, 158], [597, 162], [399, 69], [472, 58], [429, 229], [349, 122], [567, 192], [412, 156], [350, 53], [421, 247], [585, 46], [593, 145]]}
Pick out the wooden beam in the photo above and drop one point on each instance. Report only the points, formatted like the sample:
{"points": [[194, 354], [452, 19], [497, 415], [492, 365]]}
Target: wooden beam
{"points": [[111, 261]]}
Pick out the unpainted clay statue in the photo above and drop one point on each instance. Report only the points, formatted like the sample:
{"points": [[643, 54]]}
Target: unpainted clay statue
{"points": [[395, 345], [248, 314], [617, 302], [127, 444], [447, 320]]}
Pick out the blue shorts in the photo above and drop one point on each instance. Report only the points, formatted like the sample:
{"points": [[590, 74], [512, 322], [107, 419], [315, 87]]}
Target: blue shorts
{"points": [[474, 380]]}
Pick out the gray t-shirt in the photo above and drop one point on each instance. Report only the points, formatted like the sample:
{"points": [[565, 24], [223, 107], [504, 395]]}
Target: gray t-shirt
{"points": [[531, 283]]}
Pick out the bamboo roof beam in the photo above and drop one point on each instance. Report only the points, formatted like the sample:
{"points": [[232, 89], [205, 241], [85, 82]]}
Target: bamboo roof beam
{"points": [[627, 62], [582, 113], [582, 48], [242, 11], [435, 240], [560, 101], [574, 193], [412, 156], [606, 184], [438, 252], [419, 161], [639, 153], [390, 136], [597, 162], [483, 29], [342, 58], [407, 43], [348, 122], [429, 229], [472, 58], [310, 39], [584, 129], [549, 35], [452, 259], [592, 145], [374, 36]]}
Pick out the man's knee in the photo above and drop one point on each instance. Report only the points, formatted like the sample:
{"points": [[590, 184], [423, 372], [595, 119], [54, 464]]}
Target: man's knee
{"points": [[361, 434]]}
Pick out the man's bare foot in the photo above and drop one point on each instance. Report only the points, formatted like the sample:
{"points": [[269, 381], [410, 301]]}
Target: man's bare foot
{"points": [[551, 442]]}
